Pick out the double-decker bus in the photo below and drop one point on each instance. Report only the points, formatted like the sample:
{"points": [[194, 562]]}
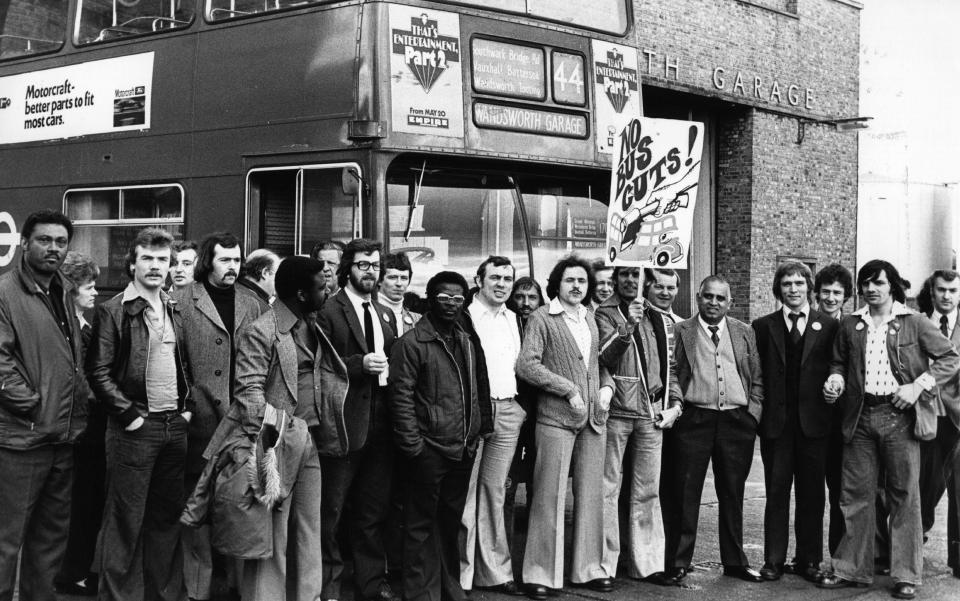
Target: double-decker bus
{"points": [[449, 130]]}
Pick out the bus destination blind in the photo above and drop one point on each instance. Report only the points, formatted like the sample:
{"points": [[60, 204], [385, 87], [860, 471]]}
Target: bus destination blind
{"points": [[508, 70]]}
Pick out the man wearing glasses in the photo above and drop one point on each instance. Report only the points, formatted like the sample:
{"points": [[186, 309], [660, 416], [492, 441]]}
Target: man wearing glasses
{"points": [[435, 400], [362, 332]]}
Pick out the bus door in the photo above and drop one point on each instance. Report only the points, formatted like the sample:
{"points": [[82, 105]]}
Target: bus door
{"points": [[290, 209]]}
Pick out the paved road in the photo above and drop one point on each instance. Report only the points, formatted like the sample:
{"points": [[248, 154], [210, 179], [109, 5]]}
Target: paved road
{"points": [[708, 583]]}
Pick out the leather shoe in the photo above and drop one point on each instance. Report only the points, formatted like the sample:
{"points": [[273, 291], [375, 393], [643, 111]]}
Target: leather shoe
{"points": [[830, 581], [601, 585], [745, 573], [661, 579], [508, 588], [791, 567], [536, 592], [677, 574], [904, 590], [771, 572]]}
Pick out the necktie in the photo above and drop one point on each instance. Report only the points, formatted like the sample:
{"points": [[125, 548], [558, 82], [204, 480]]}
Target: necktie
{"points": [[944, 323], [368, 328], [713, 335], [794, 330]]}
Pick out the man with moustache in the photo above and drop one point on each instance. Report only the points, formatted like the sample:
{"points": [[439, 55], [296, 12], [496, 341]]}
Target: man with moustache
{"points": [[362, 332], [795, 343], [213, 315], [885, 358], [437, 424], [720, 377], [43, 407], [137, 366], [485, 559], [630, 351], [559, 357], [833, 286], [526, 298], [395, 274], [182, 264]]}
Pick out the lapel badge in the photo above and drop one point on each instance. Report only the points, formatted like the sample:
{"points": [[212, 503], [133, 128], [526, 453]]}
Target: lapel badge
{"points": [[859, 325], [816, 326], [407, 320], [386, 316]]}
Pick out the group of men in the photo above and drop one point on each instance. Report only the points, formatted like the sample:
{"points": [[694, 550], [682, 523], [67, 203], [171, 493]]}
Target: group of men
{"points": [[410, 426]]}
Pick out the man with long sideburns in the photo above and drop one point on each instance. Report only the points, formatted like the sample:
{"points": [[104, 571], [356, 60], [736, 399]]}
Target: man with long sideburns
{"points": [[137, 366], [559, 356], [885, 358], [214, 312]]}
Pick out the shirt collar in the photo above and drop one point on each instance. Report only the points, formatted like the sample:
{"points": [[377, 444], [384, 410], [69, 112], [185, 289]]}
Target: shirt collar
{"points": [[706, 327], [355, 299], [804, 312], [478, 308], [556, 307], [951, 318], [898, 309], [132, 293]]}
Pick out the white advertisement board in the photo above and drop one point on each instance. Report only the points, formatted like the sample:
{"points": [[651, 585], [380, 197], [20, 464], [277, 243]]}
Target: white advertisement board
{"points": [[653, 191], [617, 93], [426, 80], [89, 98]]}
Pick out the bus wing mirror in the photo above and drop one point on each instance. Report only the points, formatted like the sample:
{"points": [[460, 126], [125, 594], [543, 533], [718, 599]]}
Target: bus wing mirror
{"points": [[350, 181]]}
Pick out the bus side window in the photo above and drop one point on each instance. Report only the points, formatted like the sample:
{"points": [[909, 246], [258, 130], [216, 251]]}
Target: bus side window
{"points": [[103, 21], [30, 27]]}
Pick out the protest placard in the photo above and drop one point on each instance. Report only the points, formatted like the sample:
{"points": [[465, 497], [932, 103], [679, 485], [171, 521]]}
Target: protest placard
{"points": [[653, 192]]}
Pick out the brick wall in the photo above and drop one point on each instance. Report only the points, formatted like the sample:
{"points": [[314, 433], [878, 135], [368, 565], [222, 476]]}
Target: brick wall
{"points": [[684, 42], [774, 197]]}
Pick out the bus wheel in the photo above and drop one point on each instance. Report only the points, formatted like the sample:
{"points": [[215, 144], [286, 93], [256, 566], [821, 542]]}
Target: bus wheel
{"points": [[663, 258], [613, 253]]}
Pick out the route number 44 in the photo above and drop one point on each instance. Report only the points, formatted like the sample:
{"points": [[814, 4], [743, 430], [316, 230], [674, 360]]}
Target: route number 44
{"points": [[568, 79]]}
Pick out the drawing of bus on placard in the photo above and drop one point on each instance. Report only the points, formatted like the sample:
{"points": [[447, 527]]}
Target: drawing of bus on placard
{"points": [[655, 241]]}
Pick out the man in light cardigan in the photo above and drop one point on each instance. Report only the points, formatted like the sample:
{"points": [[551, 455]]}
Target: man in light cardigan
{"points": [[560, 358]]}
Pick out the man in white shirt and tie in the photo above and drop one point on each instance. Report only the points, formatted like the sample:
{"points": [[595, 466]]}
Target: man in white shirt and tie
{"points": [[485, 558]]}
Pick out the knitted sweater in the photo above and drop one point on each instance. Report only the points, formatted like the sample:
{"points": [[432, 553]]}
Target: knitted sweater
{"points": [[551, 362]]}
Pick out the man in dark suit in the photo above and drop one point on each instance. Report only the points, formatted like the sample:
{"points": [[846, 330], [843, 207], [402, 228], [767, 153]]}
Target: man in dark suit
{"points": [[719, 374], [938, 462], [362, 332], [795, 345]]}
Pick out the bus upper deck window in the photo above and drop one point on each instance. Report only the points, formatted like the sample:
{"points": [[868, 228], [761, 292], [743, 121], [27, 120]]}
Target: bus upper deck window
{"points": [[30, 27], [218, 10], [104, 20]]}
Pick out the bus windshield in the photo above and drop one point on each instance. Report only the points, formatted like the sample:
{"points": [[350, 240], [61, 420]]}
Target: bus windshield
{"points": [[29, 27], [451, 216], [609, 16]]}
